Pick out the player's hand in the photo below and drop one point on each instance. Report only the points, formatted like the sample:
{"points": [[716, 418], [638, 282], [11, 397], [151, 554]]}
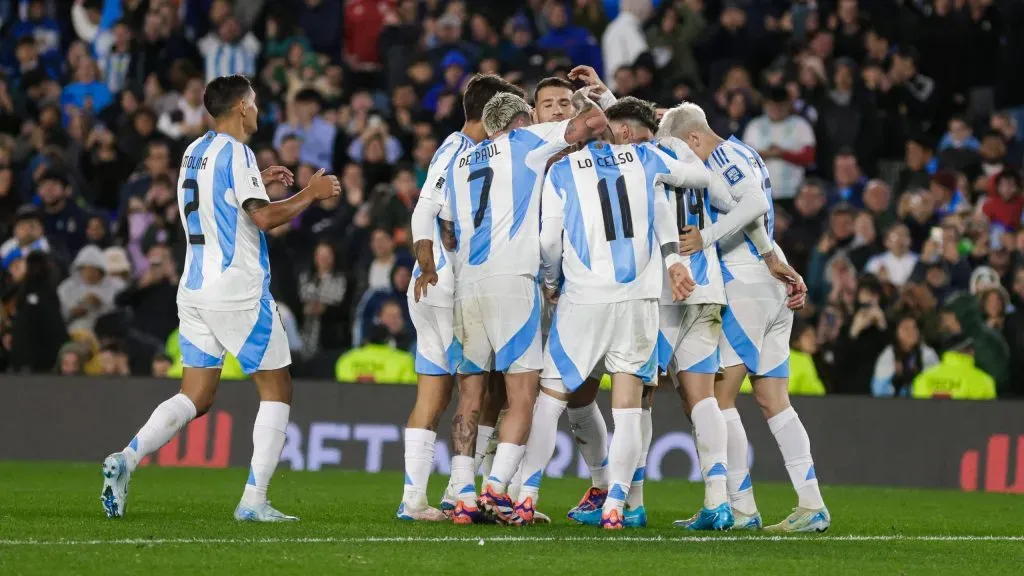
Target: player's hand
{"points": [[426, 278], [324, 186], [588, 76], [781, 271], [277, 174], [682, 284], [690, 241], [551, 295], [797, 295]]}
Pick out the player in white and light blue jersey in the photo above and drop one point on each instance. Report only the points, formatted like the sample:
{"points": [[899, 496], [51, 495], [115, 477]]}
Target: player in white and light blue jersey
{"points": [[493, 205], [605, 202], [224, 301], [431, 299], [761, 290]]}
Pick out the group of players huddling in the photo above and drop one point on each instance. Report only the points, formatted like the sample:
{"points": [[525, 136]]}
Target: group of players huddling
{"points": [[554, 244]]}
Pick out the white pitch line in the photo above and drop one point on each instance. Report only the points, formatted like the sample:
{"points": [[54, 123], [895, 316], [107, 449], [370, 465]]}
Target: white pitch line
{"points": [[508, 539]]}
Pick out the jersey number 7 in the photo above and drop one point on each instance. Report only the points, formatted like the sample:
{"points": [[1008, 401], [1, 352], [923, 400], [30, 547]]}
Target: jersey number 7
{"points": [[487, 174], [195, 233], [606, 208]]}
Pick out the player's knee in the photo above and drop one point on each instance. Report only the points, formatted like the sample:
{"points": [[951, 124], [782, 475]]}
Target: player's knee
{"points": [[203, 403], [771, 395]]}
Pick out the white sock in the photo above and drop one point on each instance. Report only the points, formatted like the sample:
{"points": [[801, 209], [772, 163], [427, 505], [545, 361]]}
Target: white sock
{"points": [[169, 417], [591, 434], [268, 436], [711, 445], [636, 487], [464, 479], [741, 490], [492, 446], [483, 437], [796, 453], [419, 456], [506, 461], [540, 446], [623, 454]]}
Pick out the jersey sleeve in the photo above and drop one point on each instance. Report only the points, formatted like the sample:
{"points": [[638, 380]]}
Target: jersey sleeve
{"points": [[542, 142], [248, 182], [683, 170], [552, 226], [745, 189]]}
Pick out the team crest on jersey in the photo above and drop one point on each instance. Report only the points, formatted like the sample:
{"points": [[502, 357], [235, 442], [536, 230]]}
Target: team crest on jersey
{"points": [[733, 175]]}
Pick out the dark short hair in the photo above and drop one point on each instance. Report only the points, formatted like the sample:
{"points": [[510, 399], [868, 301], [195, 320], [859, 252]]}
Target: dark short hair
{"points": [[479, 91], [552, 82], [54, 174], [223, 93], [635, 109]]}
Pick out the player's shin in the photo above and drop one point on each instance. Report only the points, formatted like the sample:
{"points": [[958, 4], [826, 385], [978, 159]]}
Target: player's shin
{"points": [[484, 435], [740, 487], [711, 446], [540, 446], [627, 441], [591, 435], [268, 437], [795, 446], [168, 418], [635, 500]]}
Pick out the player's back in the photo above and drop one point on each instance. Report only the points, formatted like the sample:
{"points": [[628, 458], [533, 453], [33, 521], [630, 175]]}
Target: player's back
{"points": [[608, 193], [742, 168], [692, 207], [227, 266], [435, 189], [494, 202]]}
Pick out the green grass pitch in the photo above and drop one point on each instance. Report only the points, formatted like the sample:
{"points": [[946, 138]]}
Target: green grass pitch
{"points": [[179, 522]]}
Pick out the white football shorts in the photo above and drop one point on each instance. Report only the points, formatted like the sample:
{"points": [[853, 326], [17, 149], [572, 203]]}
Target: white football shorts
{"points": [[755, 328], [497, 320], [255, 337], [688, 338], [437, 350], [592, 339]]}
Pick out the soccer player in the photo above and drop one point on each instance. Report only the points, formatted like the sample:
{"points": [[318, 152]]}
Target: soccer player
{"points": [[553, 97], [437, 352], [761, 290], [605, 201], [494, 234], [224, 300]]}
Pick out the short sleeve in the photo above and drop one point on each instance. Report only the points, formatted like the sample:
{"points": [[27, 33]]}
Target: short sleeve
{"points": [[248, 182], [803, 134], [541, 140]]}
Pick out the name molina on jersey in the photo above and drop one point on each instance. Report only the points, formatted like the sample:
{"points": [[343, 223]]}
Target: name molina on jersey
{"points": [[193, 162]]}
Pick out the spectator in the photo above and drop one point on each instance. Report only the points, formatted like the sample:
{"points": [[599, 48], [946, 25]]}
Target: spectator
{"points": [[677, 28], [151, 299], [803, 375], [71, 360], [88, 293], [897, 263], [37, 331], [1006, 205], [835, 241], [363, 20], [866, 244], [114, 360], [394, 317], [188, 119], [319, 20], [323, 290], [86, 94], [878, 203], [63, 219], [157, 164], [958, 149], [316, 134], [575, 42], [805, 230], [921, 165], [383, 249], [955, 376], [227, 51], [376, 362], [946, 194], [160, 366], [624, 39], [864, 339], [734, 119], [847, 119], [849, 180], [961, 316], [392, 208], [120, 70], [785, 141], [117, 262], [902, 361], [28, 236]]}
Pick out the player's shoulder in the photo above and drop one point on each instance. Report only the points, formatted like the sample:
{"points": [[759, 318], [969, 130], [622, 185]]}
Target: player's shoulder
{"points": [[453, 146]]}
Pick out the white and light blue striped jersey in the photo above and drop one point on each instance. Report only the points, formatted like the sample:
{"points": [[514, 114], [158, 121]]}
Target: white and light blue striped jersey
{"points": [[609, 199], [227, 266], [434, 189], [692, 207], [744, 172], [494, 201]]}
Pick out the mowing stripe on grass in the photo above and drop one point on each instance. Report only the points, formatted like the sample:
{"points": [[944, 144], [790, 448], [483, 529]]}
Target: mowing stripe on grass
{"points": [[509, 539]]}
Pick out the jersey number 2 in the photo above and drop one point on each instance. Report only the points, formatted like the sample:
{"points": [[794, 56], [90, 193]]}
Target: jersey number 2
{"points": [[606, 208], [195, 233]]}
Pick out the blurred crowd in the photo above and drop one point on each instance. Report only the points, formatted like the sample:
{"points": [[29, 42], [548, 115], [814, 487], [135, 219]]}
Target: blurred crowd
{"points": [[893, 131]]}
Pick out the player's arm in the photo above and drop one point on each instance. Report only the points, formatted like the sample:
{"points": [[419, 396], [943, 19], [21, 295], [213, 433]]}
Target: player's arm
{"points": [[595, 89], [551, 228], [589, 121], [665, 209], [252, 195], [429, 207], [751, 205], [683, 171]]}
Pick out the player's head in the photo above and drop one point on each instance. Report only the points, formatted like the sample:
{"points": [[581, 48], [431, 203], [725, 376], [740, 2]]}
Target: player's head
{"points": [[689, 123], [232, 97], [479, 91], [505, 112], [553, 100], [632, 121]]}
